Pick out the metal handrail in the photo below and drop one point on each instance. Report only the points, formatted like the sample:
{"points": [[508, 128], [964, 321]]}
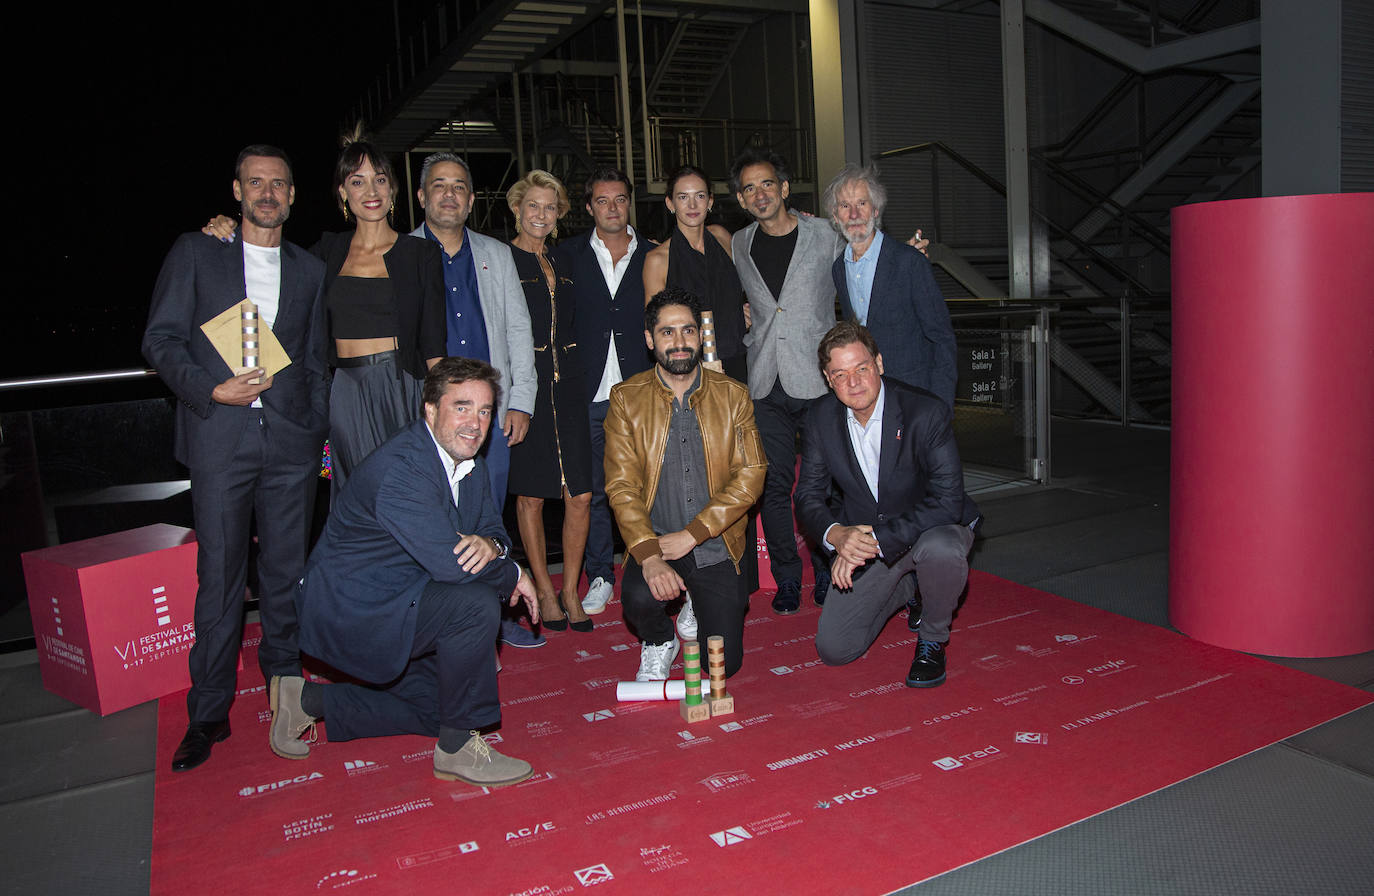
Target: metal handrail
{"points": [[996, 185], [72, 379]]}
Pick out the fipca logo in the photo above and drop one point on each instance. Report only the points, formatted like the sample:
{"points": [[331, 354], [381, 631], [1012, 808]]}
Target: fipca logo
{"points": [[344, 877], [598, 715], [731, 836], [593, 875], [260, 789]]}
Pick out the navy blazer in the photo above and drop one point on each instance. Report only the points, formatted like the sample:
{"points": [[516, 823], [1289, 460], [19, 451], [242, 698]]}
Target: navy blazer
{"points": [[920, 478], [597, 314], [390, 534], [416, 270], [200, 278], [908, 318]]}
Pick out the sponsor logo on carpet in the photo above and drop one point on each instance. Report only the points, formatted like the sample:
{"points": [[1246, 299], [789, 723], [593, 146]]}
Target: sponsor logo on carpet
{"points": [[842, 798], [585, 655], [871, 738], [726, 781], [252, 641], [1072, 679], [969, 759], [905, 642], [731, 836], [283, 784], [417, 756], [356, 767], [1035, 651], [1110, 668], [795, 667], [618, 648], [302, 828], [690, 739], [1197, 684], [1094, 718], [344, 877], [627, 808], [739, 724], [798, 759], [661, 858], [542, 729], [545, 890], [244, 692], [533, 697], [598, 715], [879, 690], [951, 716], [594, 683], [794, 641], [1032, 737], [1019, 696], [531, 833], [593, 875], [992, 662], [394, 811], [429, 856]]}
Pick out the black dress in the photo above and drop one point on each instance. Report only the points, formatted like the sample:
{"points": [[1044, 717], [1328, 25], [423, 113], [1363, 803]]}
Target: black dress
{"points": [[712, 278], [557, 450]]}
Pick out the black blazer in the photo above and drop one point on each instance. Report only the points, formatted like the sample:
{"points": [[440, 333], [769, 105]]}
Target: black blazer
{"points": [[390, 534], [416, 270], [596, 313], [920, 479], [200, 278], [908, 317]]}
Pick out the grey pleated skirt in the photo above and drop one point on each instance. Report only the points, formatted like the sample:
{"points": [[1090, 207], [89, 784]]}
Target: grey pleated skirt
{"points": [[368, 404]]}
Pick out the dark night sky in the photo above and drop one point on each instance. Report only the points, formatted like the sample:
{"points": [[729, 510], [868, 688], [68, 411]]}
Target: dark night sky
{"points": [[136, 125]]}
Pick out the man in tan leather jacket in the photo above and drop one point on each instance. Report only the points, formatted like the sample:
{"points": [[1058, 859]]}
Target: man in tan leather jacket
{"points": [[684, 463]]}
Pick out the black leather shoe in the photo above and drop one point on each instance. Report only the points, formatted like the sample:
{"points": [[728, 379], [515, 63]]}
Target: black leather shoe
{"points": [[913, 613], [788, 599], [195, 746], [822, 586], [928, 668]]}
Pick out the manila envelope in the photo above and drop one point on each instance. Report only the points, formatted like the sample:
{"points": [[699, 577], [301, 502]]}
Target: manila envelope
{"points": [[225, 332]]}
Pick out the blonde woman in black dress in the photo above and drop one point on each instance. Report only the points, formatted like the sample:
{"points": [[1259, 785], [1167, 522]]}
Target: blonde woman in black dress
{"points": [[554, 460]]}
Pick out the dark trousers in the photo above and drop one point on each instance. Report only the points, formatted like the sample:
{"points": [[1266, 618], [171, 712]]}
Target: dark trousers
{"points": [[450, 680], [224, 503], [937, 564], [719, 600], [600, 557], [780, 419]]}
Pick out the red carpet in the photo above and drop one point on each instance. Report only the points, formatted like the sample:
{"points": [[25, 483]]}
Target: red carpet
{"points": [[1053, 712]]}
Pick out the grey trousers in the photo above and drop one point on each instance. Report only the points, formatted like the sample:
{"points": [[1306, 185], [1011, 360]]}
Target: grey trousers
{"points": [[937, 564]]}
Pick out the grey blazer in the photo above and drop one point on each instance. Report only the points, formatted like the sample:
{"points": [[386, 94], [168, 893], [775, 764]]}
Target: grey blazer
{"points": [[782, 342], [507, 320]]}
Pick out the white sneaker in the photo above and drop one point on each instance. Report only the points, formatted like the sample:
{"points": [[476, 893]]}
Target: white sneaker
{"points": [[656, 659], [598, 595], [687, 620]]}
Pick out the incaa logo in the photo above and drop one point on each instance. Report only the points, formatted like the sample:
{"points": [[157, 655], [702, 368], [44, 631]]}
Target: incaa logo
{"points": [[278, 785]]}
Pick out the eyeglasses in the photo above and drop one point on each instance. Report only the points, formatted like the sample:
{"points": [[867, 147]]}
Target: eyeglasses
{"points": [[841, 377]]}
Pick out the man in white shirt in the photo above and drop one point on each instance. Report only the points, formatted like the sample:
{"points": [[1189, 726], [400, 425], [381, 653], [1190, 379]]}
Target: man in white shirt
{"points": [[606, 266]]}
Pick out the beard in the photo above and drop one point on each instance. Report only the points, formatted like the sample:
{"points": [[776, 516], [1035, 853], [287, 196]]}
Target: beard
{"points": [[861, 236], [678, 366], [266, 214]]}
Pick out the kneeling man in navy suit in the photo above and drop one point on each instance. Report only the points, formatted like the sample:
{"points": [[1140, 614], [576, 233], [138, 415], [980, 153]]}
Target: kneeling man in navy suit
{"points": [[403, 592], [903, 520]]}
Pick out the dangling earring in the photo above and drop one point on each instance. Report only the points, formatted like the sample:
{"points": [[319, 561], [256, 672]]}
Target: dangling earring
{"points": [[345, 212], [391, 212], [553, 234]]}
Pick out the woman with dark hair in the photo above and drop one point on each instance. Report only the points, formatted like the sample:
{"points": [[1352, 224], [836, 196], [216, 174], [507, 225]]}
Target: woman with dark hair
{"points": [[696, 257], [554, 459], [384, 299]]}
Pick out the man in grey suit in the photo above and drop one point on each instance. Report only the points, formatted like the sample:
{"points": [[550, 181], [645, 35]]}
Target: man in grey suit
{"points": [[251, 442], [784, 264], [487, 319]]}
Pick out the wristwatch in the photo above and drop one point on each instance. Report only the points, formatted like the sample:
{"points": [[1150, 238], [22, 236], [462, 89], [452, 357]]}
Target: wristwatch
{"points": [[501, 549]]}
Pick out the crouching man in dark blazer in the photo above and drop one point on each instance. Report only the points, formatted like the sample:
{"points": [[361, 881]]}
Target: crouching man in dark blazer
{"points": [[903, 520], [403, 592]]}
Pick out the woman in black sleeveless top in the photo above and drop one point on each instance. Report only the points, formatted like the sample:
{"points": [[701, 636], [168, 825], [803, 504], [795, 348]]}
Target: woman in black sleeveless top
{"points": [[696, 257]]}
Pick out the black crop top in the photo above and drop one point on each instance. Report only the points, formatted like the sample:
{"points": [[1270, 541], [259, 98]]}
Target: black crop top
{"points": [[361, 308]]}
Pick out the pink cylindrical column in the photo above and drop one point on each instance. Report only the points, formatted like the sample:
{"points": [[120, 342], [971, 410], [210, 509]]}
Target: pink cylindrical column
{"points": [[1271, 531]]}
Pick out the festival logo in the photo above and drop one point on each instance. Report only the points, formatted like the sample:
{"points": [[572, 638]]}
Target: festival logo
{"points": [[593, 875]]}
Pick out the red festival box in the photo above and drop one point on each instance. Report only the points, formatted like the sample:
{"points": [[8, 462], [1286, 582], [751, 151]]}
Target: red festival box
{"points": [[112, 615]]}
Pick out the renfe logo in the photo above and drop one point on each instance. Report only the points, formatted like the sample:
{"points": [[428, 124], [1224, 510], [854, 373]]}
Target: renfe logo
{"points": [[731, 836]]}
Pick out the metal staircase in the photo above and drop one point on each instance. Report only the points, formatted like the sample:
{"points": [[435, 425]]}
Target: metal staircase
{"points": [[694, 62]]}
